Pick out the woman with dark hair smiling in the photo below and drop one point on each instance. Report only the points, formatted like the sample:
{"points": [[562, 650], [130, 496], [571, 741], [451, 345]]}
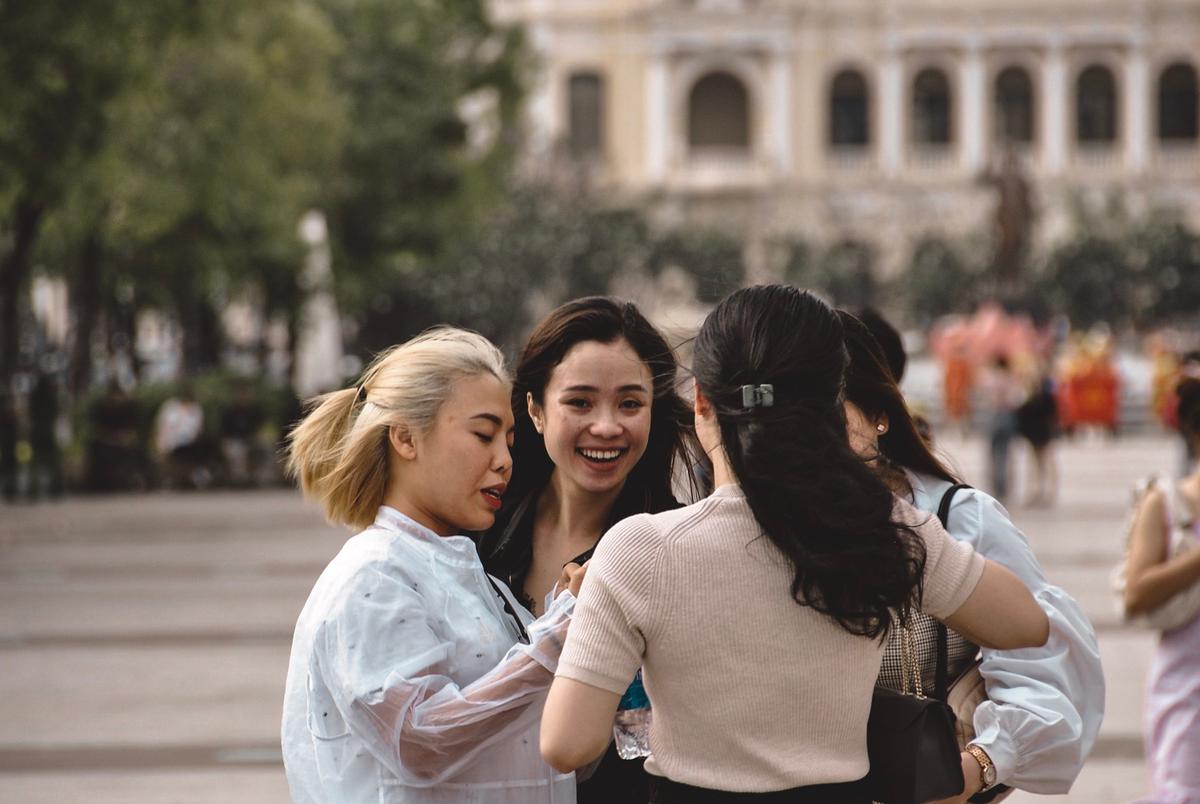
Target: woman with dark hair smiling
{"points": [[1044, 704], [599, 427], [757, 614]]}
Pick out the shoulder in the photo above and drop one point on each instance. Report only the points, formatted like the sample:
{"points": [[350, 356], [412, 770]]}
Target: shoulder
{"points": [[645, 535]]}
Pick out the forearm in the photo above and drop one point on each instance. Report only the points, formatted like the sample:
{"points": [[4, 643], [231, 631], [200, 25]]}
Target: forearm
{"points": [[433, 728], [1158, 583]]}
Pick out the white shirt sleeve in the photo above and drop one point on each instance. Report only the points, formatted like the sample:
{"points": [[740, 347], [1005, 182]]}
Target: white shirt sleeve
{"points": [[383, 671], [1044, 704]]}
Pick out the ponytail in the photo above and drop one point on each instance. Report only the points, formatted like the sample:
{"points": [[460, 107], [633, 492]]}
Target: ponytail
{"points": [[817, 501]]}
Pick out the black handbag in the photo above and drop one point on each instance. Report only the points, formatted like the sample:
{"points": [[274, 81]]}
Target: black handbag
{"points": [[911, 742]]}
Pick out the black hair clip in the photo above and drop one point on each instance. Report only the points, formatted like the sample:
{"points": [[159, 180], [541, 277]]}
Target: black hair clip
{"points": [[758, 396]]}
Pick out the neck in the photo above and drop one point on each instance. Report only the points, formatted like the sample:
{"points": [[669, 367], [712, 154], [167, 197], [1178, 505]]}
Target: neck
{"points": [[577, 514], [396, 498], [722, 471]]}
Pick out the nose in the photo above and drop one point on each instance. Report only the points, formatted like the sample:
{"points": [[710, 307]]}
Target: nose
{"points": [[502, 464], [605, 424]]}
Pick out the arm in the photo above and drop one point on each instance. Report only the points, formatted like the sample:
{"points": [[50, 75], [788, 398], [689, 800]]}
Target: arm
{"points": [[391, 684], [604, 649], [1151, 577], [576, 723], [1023, 624], [967, 600], [1044, 705]]}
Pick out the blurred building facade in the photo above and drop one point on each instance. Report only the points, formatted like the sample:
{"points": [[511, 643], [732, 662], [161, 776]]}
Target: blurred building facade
{"points": [[876, 122]]}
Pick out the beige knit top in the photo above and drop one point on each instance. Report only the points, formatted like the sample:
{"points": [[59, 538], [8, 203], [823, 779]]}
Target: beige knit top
{"points": [[751, 692]]}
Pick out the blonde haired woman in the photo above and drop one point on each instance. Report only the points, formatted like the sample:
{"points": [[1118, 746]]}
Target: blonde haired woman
{"points": [[414, 676]]}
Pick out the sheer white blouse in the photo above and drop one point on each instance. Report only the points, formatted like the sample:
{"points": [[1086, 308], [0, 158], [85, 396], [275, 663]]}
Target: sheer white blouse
{"points": [[407, 682]]}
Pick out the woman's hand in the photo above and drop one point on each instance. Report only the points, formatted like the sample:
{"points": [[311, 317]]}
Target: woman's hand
{"points": [[571, 578], [972, 780]]}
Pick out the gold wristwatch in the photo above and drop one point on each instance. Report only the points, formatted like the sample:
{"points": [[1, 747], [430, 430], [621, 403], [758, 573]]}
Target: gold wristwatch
{"points": [[987, 770]]}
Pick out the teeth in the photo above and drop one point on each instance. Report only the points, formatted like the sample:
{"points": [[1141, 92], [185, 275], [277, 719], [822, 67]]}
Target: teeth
{"points": [[601, 454]]}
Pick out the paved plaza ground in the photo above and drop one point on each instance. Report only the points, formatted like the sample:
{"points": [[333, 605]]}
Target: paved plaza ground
{"points": [[144, 639]]}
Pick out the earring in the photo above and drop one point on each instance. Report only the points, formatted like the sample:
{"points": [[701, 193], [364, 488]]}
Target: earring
{"points": [[881, 428]]}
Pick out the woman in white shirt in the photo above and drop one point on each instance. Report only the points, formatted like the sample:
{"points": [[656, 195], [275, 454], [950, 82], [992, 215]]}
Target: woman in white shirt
{"points": [[757, 613], [414, 676], [1044, 704]]}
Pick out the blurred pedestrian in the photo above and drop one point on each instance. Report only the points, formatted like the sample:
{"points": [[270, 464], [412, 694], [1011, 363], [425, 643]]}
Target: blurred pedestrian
{"points": [[415, 677], [179, 441], [46, 473], [1157, 572], [958, 382], [1037, 423], [8, 445], [241, 423], [115, 458], [1002, 393]]}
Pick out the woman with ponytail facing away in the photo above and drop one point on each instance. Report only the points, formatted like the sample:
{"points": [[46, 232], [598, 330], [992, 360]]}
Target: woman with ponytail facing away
{"points": [[758, 613], [414, 676]]}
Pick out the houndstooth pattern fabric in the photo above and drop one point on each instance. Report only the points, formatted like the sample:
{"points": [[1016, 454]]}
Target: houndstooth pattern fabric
{"points": [[959, 653]]}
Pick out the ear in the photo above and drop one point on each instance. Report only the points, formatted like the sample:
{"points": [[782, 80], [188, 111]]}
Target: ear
{"points": [[700, 404], [401, 440], [535, 412]]}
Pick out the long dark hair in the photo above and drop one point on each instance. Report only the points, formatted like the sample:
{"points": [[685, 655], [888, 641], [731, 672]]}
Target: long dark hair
{"points": [[872, 388], [648, 488], [814, 498]]}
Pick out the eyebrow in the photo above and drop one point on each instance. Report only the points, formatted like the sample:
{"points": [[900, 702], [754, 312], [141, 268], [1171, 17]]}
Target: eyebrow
{"points": [[594, 390], [491, 417]]}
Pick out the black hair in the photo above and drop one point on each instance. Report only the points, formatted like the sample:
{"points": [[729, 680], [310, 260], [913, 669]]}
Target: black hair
{"points": [[888, 338], [648, 488], [814, 498], [1188, 392], [872, 387]]}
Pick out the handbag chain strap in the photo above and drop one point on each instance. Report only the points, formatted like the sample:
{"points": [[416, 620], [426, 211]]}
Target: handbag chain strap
{"points": [[908, 664]]}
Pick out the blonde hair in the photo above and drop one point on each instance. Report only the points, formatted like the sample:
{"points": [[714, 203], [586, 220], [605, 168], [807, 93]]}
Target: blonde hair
{"points": [[339, 452]]}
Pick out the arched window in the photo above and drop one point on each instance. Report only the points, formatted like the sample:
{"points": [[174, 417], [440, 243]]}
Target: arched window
{"points": [[1177, 119], [931, 108], [585, 110], [719, 113], [849, 123], [1096, 106], [1014, 106]]}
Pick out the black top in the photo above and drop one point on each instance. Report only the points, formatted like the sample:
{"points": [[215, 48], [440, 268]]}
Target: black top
{"points": [[506, 548]]}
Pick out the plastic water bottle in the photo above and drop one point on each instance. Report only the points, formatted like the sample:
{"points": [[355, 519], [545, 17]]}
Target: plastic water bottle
{"points": [[631, 731]]}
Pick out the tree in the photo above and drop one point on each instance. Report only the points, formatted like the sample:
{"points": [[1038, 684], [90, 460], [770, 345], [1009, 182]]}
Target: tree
{"points": [[211, 159], [844, 273], [64, 62], [938, 282], [710, 256], [410, 182]]}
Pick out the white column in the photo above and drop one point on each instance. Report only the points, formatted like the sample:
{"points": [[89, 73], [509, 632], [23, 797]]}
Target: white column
{"points": [[891, 114], [780, 112], [1056, 110], [657, 118], [1137, 110], [545, 125], [973, 111]]}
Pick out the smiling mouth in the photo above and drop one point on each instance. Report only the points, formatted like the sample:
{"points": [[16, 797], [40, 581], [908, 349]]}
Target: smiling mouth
{"points": [[601, 456], [493, 495]]}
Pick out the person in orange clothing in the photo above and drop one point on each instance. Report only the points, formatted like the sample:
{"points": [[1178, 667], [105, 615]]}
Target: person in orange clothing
{"points": [[957, 383]]}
